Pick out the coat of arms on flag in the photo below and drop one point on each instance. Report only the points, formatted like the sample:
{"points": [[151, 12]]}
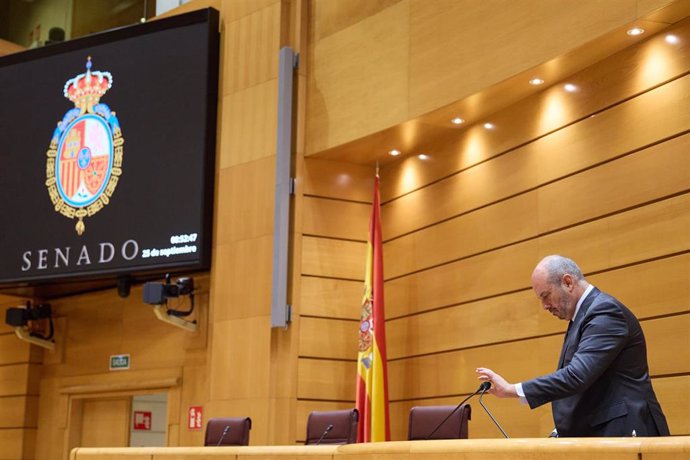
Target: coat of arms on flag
{"points": [[84, 160]]}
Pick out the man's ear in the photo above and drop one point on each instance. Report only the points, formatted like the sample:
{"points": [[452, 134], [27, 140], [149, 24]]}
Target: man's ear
{"points": [[568, 282]]}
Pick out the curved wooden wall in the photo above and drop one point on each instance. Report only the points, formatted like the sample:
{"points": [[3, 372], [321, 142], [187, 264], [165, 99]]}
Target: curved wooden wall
{"points": [[601, 175]]}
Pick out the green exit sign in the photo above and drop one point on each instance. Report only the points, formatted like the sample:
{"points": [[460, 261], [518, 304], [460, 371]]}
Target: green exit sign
{"points": [[119, 362]]}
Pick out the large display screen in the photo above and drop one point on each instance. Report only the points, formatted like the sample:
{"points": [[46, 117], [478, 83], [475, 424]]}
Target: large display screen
{"points": [[107, 147]]}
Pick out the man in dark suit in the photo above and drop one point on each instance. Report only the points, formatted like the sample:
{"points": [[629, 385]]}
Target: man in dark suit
{"points": [[602, 385]]}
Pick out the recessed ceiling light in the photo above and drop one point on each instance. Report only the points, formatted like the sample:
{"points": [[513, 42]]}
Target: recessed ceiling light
{"points": [[635, 31], [569, 87], [536, 82], [394, 153], [423, 156], [457, 121], [489, 125], [671, 39]]}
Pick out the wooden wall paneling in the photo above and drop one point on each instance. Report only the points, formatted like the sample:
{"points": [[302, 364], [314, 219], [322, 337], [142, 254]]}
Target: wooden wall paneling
{"points": [[248, 123], [328, 17], [18, 411], [668, 344], [331, 298], [336, 219], [644, 176], [639, 122], [118, 326], [237, 9], [438, 31], [498, 319], [13, 350], [15, 443], [327, 380], [335, 179], [655, 230], [15, 379], [244, 201], [649, 289], [453, 373], [333, 258], [605, 83], [343, 104], [658, 287], [242, 278], [240, 344], [497, 272], [478, 231], [251, 44], [328, 338], [672, 393]]}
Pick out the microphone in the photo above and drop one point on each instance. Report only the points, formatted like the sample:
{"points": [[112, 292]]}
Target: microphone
{"points": [[222, 436], [488, 385], [325, 432], [483, 387]]}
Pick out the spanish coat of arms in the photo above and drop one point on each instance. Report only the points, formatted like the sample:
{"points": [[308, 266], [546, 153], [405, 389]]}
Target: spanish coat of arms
{"points": [[84, 160]]}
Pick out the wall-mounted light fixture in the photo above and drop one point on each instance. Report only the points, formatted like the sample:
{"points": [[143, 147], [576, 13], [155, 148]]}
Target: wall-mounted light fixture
{"points": [[29, 323], [157, 294]]}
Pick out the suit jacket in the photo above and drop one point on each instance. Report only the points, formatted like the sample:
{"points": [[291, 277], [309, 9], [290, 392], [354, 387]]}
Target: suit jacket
{"points": [[602, 385]]}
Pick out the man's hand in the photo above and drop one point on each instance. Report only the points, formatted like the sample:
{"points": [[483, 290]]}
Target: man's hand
{"points": [[499, 386]]}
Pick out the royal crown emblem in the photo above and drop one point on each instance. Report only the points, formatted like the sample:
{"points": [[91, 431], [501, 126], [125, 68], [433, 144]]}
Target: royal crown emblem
{"points": [[84, 160]]}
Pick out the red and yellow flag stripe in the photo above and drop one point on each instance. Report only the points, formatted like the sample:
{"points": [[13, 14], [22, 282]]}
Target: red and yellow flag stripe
{"points": [[372, 373]]}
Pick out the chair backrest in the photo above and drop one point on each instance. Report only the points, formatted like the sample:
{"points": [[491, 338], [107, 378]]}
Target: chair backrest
{"points": [[424, 419], [236, 431], [344, 429]]}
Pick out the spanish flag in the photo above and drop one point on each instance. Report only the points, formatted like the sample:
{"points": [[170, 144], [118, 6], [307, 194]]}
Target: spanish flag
{"points": [[372, 375]]}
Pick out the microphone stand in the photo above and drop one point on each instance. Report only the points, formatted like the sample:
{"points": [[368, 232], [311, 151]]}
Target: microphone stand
{"points": [[325, 432], [489, 413], [483, 387], [222, 436]]}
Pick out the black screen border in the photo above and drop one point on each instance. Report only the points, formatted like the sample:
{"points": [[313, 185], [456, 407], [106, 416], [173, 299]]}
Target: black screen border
{"points": [[210, 16]]}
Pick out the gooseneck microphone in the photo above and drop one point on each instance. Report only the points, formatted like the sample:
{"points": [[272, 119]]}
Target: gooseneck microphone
{"points": [[483, 387], [488, 412], [325, 432], [222, 436]]}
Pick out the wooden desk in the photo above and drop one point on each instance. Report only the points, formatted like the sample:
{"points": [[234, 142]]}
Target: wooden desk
{"points": [[668, 448]]}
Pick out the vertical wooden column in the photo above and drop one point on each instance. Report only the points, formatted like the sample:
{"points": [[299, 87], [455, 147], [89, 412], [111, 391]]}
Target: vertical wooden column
{"points": [[251, 369]]}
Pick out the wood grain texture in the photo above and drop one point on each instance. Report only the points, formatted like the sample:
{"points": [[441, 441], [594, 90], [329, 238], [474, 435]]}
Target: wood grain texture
{"points": [[250, 48], [651, 174], [239, 292], [245, 201], [528, 35], [336, 179], [634, 124], [333, 258], [248, 123], [328, 338], [643, 233], [336, 219], [326, 380], [603, 84], [331, 298], [358, 82]]}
